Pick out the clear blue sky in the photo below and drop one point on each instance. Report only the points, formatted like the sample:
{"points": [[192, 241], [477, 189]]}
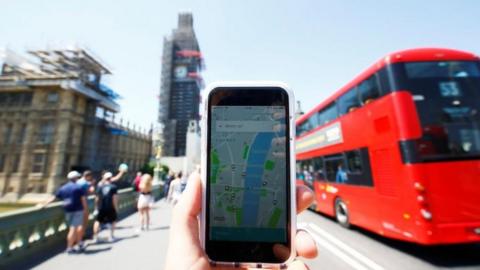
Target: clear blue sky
{"points": [[314, 46]]}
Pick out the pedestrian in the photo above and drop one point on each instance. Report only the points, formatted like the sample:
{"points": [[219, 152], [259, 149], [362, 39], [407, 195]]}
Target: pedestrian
{"points": [[136, 181], [341, 176], [106, 203], [168, 180], [87, 183], [183, 183], [111, 177], [105, 174], [144, 201], [74, 205], [175, 189]]}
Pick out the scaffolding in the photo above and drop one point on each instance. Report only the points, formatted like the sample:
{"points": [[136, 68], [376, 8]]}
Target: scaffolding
{"points": [[75, 69], [179, 94]]}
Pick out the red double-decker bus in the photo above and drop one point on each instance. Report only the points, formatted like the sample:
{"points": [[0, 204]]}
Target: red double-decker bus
{"points": [[397, 150]]}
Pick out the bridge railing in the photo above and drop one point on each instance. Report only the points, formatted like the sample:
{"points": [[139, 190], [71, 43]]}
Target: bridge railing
{"points": [[25, 232]]}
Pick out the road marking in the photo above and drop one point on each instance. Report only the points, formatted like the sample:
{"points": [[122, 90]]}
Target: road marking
{"points": [[360, 257], [339, 253]]}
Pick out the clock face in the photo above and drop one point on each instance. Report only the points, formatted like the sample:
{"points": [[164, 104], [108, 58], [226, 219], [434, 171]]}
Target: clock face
{"points": [[180, 72]]}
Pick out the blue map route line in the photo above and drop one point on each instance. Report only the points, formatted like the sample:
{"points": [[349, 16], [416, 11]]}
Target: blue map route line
{"points": [[253, 178]]}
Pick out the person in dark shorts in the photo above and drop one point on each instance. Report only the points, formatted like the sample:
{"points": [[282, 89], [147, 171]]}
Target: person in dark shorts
{"points": [[75, 205], [87, 183], [106, 203]]}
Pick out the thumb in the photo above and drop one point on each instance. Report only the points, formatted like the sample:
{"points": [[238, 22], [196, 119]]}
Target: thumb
{"points": [[190, 204], [184, 239]]}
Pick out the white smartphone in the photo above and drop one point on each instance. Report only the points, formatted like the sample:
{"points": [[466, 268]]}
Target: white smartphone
{"points": [[248, 174]]}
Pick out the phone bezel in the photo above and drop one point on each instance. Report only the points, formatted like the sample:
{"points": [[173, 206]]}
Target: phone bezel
{"points": [[291, 222]]}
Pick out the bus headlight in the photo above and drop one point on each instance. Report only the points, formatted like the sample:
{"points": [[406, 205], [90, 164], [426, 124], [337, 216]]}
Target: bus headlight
{"points": [[477, 230], [418, 186], [426, 214]]}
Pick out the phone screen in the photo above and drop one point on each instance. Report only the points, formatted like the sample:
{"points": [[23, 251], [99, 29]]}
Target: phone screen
{"points": [[248, 183]]}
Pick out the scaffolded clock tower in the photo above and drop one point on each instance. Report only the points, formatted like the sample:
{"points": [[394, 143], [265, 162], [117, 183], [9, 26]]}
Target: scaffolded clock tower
{"points": [[180, 86]]}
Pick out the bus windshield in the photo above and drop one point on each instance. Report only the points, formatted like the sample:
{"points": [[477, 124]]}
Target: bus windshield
{"points": [[447, 97]]}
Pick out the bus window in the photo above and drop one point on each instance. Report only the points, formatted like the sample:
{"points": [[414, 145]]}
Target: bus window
{"points": [[302, 128], [450, 69], [328, 114], [313, 121], [318, 169], [307, 172], [447, 101], [354, 162], [307, 125], [299, 170], [334, 168], [348, 102], [369, 90], [385, 84]]}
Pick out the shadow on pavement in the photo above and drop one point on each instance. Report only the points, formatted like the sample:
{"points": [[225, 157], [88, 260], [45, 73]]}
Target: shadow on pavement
{"points": [[118, 239], [39, 258], [104, 241], [459, 255], [463, 255], [90, 251], [158, 228], [123, 227]]}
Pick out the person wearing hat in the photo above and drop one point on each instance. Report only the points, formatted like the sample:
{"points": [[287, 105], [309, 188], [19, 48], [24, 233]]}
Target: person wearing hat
{"points": [[74, 204], [112, 178], [106, 203]]}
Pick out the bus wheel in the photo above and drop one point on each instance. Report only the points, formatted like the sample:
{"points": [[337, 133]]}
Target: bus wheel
{"points": [[341, 213], [313, 206]]}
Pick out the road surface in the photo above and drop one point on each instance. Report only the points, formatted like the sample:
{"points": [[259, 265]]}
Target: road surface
{"points": [[339, 248]]}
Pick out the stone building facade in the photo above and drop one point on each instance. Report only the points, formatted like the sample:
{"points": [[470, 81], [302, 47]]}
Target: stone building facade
{"points": [[55, 116]]}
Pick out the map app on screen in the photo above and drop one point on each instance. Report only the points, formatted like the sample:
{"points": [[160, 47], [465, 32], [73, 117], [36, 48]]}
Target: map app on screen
{"points": [[248, 174]]}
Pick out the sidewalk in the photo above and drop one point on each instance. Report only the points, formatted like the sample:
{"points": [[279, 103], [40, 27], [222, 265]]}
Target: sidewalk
{"points": [[132, 250]]}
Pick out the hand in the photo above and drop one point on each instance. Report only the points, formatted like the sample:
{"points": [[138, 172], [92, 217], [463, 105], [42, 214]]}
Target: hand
{"points": [[40, 205], [185, 251], [44, 204]]}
